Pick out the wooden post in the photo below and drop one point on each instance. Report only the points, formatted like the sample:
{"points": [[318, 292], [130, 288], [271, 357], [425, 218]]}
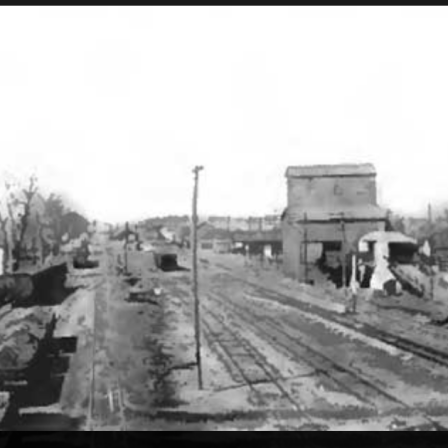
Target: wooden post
{"points": [[305, 242], [433, 276], [195, 276], [354, 286], [126, 248], [432, 284], [344, 254], [91, 414]]}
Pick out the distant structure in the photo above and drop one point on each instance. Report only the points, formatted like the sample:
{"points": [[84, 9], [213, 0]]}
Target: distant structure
{"points": [[439, 248], [242, 224], [214, 239], [327, 206], [260, 242]]}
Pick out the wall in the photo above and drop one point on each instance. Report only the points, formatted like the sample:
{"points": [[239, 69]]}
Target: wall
{"points": [[291, 251], [332, 231], [331, 191], [222, 246], [293, 236], [267, 222]]}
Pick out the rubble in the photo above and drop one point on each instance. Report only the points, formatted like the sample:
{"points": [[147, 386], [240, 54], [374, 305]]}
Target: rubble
{"points": [[23, 330], [4, 404], [15, 288]]}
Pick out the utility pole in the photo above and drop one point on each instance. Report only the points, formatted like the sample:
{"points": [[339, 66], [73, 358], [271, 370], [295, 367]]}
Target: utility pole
{"points": [[344, 253], [305, 242], [431, 228], [432, 283], [196, 171], [126, 236]]}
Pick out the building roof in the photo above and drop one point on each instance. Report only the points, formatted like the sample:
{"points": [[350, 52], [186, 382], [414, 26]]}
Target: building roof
{"points": [[362, 213], [263, 235], [365, 169], [389, 237]]}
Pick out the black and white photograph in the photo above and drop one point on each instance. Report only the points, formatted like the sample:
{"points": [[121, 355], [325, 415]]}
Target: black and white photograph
{"points": [[223, 218]]}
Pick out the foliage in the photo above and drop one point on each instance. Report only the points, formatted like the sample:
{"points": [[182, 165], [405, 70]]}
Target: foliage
{"points": [[395, 222], [31, 226]]}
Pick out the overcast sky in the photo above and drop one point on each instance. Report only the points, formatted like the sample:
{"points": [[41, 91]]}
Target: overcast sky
{"points": [[114, 106]]}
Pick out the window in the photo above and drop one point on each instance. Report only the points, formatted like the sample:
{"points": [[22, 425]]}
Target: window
{"points": [[332, 246]]}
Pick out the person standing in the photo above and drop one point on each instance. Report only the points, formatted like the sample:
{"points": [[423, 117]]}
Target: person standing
{"points": [[353, 287]]}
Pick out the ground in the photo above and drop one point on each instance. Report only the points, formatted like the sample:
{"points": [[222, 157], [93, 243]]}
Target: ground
{"points": [[275, 355]]}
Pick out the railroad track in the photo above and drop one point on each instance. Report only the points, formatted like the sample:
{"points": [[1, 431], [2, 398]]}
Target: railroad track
{"points": [[248, 367], [366, 389], [113, 400], [253, 370], [405, 344], [239, 353], [353, 382]]}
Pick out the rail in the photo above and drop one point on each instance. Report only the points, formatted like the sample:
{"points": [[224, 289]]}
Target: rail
{"points": [[346, 378]]}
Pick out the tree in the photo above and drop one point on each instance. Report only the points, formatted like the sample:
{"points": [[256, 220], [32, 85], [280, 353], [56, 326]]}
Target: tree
{"points": [[395, 222], [23, 201], [9, 218], [33, 224], [20, 227], [54, 211], [5, 242]]}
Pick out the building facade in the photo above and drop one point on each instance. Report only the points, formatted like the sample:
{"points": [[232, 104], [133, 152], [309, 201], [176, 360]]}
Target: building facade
{"points": [[212, 239], [330, 207], [260, 242]]}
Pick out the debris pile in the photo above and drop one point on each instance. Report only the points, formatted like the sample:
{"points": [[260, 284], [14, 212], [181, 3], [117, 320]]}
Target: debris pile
{"points": [[23, 331], [147, 291], [15, 289], [82, 257], [4, 404]]}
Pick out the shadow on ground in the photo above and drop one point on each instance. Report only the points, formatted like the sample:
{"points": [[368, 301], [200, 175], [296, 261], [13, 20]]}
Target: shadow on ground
{"points": [[40, 386], [48, 288]]}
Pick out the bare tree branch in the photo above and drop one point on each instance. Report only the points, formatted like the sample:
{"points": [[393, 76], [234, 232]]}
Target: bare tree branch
{"points": [[24, 217], [6, 246]]}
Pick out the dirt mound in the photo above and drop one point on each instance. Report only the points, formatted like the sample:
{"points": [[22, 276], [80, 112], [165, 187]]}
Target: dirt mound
{"points": [[17, 353], [46, 287], [4, 403], [15, 288], [23, 331], [50, 285]]}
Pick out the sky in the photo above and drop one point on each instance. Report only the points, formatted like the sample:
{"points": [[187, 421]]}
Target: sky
{"points": [[114, 106]]}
